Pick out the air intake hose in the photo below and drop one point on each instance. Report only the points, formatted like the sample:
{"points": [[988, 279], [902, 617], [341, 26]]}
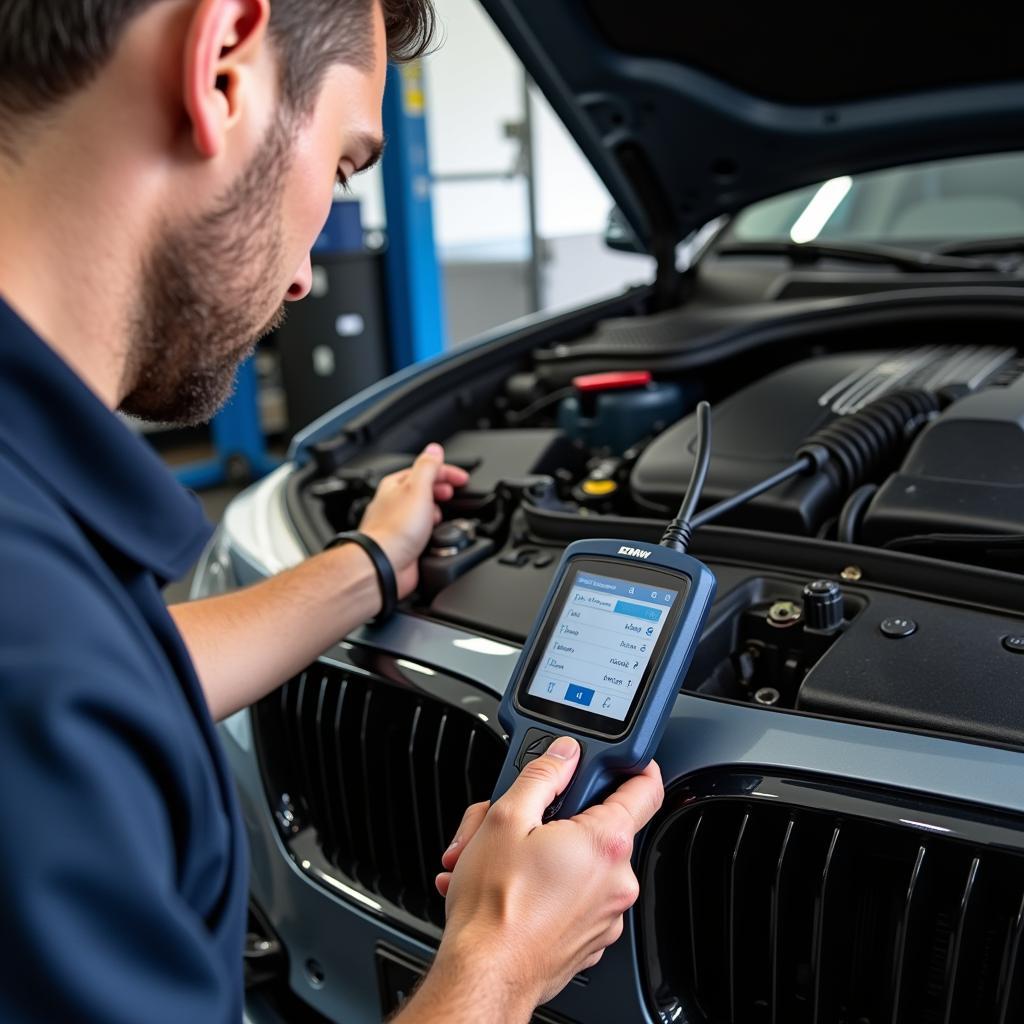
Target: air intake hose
{"points": [[859, 446], [851, 449]]}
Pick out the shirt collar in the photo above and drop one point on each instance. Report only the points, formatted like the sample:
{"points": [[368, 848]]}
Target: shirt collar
{"points": [[106, 476]]}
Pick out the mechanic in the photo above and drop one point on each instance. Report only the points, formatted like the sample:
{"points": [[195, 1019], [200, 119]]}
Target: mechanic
{"points": [[165, 166]]}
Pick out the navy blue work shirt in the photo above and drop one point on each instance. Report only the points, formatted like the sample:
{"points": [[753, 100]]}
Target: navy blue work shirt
{"points": [[123, 873]]}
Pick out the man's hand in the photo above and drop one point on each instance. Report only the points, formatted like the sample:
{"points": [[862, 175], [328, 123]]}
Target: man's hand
{"points": [[538, 902], [405, 511], [240, 658]]}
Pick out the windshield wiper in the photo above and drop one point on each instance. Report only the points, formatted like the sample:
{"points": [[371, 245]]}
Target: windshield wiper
{"points": [[911, 260], [1010, 245]]}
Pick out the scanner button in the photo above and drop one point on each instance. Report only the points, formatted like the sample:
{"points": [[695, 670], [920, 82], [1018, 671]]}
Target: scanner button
{"points": [[535, 743], [556, 805]]}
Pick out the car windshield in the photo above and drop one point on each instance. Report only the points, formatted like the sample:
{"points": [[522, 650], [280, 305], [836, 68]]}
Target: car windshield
{"points": [[922, 206]]}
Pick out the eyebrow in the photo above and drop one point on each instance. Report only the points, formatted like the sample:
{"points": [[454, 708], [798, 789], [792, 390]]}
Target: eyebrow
{"points": [[372, 145]]}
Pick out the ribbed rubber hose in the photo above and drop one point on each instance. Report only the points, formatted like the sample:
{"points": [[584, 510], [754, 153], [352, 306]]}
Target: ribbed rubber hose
{"points": [[866, 442]]}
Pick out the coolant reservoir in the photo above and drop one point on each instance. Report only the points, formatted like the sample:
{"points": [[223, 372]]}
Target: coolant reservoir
{"points": [[615, 410]]}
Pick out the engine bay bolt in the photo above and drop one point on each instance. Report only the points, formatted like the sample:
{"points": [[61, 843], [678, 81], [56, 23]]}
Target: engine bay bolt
{"points": [[767, 696], [852, 573], [448, 539], [784, 613]]}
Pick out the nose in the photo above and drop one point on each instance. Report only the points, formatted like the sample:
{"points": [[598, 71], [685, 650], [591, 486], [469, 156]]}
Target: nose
{"points": [[302, 283]]}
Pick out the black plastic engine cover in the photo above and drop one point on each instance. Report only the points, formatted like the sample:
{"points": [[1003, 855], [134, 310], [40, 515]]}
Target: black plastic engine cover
{"points": [[950, 670], [963, 475], [755, 433]]}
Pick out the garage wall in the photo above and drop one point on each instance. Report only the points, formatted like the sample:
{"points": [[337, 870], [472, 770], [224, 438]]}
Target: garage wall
{"points": [[474, 88]]}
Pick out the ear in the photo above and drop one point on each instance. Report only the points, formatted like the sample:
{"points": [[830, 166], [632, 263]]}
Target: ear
{"points": [[223, 38]]}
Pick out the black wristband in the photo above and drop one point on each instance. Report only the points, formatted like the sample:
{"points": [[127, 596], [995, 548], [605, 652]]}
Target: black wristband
{"points": [[381, 564]]}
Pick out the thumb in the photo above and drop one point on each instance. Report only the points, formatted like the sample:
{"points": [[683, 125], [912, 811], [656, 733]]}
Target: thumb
{"points": [[427, 465], [541, 780]]}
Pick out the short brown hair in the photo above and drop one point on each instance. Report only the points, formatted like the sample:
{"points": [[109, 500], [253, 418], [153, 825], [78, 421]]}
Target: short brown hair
{"points": [[51, 48]]}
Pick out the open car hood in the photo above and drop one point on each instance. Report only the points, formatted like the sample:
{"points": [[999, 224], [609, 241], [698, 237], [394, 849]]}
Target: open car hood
{"points": [[689, 111]]}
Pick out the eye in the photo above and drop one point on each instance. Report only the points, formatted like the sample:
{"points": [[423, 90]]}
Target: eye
{"points": [[342, 180]]}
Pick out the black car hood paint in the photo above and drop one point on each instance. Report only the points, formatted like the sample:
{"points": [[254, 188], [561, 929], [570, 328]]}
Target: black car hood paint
{"points": [[690, 111]]}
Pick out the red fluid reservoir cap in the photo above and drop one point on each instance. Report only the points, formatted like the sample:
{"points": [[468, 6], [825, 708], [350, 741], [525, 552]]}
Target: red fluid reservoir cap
{"points": [[591, 382]]}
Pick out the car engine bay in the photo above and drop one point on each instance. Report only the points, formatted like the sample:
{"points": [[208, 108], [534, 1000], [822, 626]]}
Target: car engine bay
{"points": [[863, 515], [927, 458]]}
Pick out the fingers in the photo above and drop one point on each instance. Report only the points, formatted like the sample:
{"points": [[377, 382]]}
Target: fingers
{"points": [[453, 475], [613, 933], [392, 481], [429, 463], [430, 466], [427, 467], [471, 821], [641, 796], [610, 936], [540, 781]]}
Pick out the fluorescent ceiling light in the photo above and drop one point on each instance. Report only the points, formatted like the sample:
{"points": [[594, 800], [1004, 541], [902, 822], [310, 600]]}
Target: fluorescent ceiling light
{"points": [[820, 209]]}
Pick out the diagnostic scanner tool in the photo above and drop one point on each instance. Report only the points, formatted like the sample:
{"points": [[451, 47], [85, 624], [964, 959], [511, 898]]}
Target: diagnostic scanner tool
{"points": [[608, 653]]}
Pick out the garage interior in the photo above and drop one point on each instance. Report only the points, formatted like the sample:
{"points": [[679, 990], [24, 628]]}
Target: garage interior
{"points": [[718, 314]]}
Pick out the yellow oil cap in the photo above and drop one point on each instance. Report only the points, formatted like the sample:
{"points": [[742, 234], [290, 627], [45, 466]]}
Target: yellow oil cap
{"points": [[599, 488]]}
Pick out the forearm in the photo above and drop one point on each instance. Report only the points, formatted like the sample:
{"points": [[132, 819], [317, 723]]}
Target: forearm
{"points": [[466, 986], [247, 643]]}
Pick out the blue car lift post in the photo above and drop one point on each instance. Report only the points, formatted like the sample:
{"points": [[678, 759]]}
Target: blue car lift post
{"points": [[413, 276], [413, 284]]}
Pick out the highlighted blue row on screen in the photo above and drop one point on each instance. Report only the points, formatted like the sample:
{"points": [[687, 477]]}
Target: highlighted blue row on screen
{"points": [[623, 588], [637, 611]]}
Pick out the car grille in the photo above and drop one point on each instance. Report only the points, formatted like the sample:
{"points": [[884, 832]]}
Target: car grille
{"points": [[369, 774], [790, 901]]}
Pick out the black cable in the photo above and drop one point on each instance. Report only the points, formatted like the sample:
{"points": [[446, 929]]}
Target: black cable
{"points": [[699, 473], [677, 536], [802, 466], [515, 418], [854, 448]]}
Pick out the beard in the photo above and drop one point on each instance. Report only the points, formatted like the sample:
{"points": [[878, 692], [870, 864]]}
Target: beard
{"points": [[206, 291]]}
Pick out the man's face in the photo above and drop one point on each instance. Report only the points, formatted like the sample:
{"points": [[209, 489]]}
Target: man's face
{"points": [[216, 283]]}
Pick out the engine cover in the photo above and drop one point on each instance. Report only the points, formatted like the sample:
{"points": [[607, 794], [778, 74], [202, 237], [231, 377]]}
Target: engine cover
{"points": [[757, 431], [963, 475]]}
